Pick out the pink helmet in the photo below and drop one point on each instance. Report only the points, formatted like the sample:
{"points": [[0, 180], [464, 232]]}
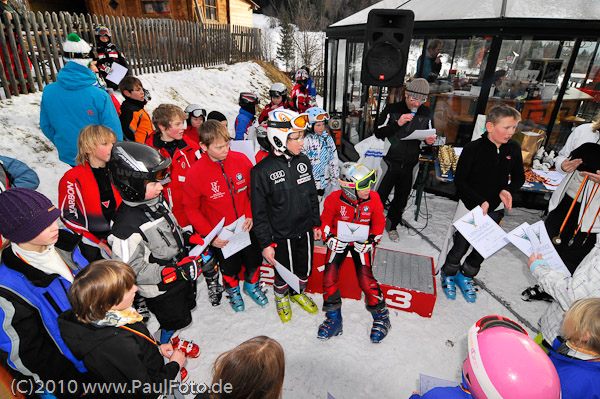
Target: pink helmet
{"points": [[504, 363]]}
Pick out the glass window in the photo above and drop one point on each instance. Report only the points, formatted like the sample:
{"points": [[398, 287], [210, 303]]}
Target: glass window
{"points": [[354, 97], [340, 76], [211, 9], [156, 7]]}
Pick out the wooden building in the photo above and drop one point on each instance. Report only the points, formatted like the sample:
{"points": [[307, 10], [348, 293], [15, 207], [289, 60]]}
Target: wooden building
{"points": [[233, 12]]}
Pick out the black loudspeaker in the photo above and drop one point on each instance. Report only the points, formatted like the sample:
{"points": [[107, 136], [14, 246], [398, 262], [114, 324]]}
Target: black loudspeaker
{"points": [[387, 40]]}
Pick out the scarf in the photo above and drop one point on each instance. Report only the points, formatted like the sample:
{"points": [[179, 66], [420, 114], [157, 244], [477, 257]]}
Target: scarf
{"points": [[118, 318], [48, 261]]}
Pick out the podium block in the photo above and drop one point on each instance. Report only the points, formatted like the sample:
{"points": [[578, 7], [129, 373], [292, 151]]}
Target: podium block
{"points": [[406, 280]]}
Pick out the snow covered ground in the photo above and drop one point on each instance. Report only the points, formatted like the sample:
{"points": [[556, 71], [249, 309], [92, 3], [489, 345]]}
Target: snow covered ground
{"points": [[349, 366]]}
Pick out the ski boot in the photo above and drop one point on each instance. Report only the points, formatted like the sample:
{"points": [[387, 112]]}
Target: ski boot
{"points": [[448, 285], [305, 303], [465, 284], [284, 310], [235, 298], [139, 303], [381, 325], [188, 347], [254, 292], [215, 290], [183, 374], [332, 326]]}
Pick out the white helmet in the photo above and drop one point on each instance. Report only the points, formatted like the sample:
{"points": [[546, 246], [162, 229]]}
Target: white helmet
{"points": [[301, 74], [283, 122]]}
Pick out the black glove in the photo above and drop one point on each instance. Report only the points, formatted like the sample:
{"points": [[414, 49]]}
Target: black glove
{"points": [[186, 269]]}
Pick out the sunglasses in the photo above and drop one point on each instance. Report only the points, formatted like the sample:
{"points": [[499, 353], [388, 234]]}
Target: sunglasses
{"points": [[299, 122], [362, 184], [197, 113], [417, 100]]}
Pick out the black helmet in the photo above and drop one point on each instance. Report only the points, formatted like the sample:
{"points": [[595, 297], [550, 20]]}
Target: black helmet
{"points": [[248, 102], [278, 90], [133, 165], [262, 138]]}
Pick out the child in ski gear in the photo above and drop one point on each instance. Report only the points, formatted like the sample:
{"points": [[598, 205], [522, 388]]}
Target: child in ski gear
{"points": [[238, 367], [196, 117], [300, 96], [108, 335], [502, 362], [264, 147], [168, 138], [320, 148], [14, 173], [279, 98], [217, 186], [88, 200], [482, 178], [310, 85], [217, 116], [285, 207], [248, 103], [73, 102], [354, 203], [146, 236], [584, 283], [398, 120], [108, 54], [135, 120], [576, 355], [38, 263]]}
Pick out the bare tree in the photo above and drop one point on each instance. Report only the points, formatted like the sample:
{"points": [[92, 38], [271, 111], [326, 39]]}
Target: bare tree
{"points": [[309, 41]]}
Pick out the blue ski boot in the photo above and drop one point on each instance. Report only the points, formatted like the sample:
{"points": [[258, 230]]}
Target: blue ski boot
{"points": [[235, 299], [448, 285], [465, 284], [254, 292], [332, 326], [381, 325]]}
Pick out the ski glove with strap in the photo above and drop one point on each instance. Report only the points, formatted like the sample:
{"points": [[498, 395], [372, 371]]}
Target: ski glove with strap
{"points": [[332, 241], [367, 246], [186, 269]]}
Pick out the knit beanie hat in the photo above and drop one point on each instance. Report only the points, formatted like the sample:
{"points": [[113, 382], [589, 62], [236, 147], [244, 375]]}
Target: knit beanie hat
{"points": [[418, 88], [77, 50], [24, 214], [216, 116]]}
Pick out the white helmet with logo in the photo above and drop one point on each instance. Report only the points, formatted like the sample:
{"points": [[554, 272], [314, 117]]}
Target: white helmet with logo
{"points": [[283, 122]]}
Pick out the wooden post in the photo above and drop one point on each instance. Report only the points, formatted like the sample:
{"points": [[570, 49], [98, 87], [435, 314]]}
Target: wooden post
{"points": [[134, 60], [45, 46], [16, 64], [54, 49], [23, 54], [90, 30], [32, 50], [5, 66]]}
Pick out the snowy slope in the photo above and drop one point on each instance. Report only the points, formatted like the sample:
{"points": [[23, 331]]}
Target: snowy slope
{"points": [[349, 366]]}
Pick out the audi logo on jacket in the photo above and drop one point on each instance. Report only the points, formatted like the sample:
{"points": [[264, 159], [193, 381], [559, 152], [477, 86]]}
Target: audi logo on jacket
{"points": [[284, 198]]}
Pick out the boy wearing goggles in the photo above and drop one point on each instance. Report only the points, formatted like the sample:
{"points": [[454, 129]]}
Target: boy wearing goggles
{"points": [[354, 203], [285, 208], [397, 121]]}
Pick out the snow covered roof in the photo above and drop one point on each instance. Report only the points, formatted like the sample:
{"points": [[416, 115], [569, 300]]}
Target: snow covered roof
{"points": [[435, 10]]}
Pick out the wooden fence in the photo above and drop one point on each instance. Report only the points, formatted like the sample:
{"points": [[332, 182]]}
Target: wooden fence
{"points": [[31, 46]]}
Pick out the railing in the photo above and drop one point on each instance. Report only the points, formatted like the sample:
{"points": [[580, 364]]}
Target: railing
{"points": [[31, 46]]}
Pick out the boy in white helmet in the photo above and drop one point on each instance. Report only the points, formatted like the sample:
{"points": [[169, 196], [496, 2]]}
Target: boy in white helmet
{"points": [[285, 207]]}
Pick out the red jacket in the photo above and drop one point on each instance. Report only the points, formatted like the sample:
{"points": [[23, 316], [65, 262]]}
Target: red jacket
{"points": [[264, 115], [367, 212], [260, 155], [184, 157], [79, 203], [192, 133], [300, 98], [209, 196]]}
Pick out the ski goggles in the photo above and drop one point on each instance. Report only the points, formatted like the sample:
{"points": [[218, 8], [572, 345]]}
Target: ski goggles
{"points": [[322, 117], [197, 113], [275, 94], [362, 184], [103, 32], [299, 123], [497, 321], [161, 175]]}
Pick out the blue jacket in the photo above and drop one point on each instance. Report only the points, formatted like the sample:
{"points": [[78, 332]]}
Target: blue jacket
{"points": [[21, 174], [30, 303], [444, 393], [310, 85], [70, 104], [578, 378], [242, 123]]}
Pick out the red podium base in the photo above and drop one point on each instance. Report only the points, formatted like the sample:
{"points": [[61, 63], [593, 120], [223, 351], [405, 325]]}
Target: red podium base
{"points": [[406, 280]]}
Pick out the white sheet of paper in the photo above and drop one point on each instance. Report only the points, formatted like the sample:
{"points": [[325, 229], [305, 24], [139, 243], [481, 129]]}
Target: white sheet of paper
{"points": [[198, 249], [541, 244], [352, 232], [420, 134], [519, 238], [287, 276], [427, 383], [117, 73], [481, 232], [553, 176], [246, 147], [237, 237]]}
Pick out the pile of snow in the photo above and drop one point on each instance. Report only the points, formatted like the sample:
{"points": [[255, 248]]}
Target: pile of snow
{"points": [[349, 366]]}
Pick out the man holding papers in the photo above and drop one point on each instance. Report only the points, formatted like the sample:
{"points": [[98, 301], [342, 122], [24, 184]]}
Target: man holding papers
{"points": [[484, 170], [345, 212], [217, 186], [397, 121]]}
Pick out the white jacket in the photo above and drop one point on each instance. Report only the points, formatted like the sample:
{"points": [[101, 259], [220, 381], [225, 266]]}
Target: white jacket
{"points": [[582, 134], [584, 283]]}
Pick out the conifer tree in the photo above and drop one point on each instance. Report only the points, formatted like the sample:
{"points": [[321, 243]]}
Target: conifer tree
{"points": [[285, 51]]}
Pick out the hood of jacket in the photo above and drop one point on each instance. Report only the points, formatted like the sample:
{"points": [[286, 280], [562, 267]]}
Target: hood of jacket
{"points": [[82, 338], [75, 77]]}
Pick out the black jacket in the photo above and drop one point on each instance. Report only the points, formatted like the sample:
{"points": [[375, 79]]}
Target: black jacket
{"points": [[483, 171], [114, 354], [284, 198], [401, 151]]}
